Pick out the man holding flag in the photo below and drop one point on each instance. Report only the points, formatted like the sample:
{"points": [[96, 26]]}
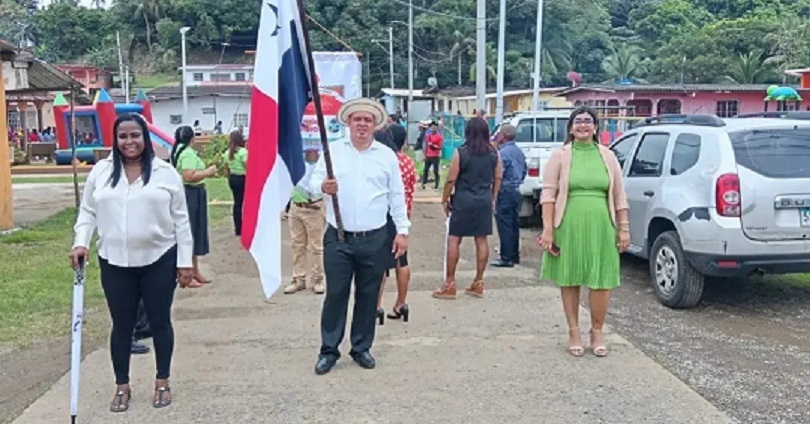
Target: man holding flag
{"points": [[370, 184]]}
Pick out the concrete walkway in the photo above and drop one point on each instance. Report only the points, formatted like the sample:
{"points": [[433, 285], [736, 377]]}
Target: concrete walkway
{"points": [[240, 359]]}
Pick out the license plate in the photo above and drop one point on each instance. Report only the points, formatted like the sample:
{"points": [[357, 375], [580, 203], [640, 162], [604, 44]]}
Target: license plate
{"points": [[804, 217]]}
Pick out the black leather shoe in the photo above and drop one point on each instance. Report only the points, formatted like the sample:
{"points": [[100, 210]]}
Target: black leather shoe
{"points": [[365, 360], [324, 365], [500, 263], [138, 349]]}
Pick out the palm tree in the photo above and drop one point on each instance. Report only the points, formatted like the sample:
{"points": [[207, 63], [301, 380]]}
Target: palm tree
{"points": [[750, 68], [461, 46], [624, 63]]}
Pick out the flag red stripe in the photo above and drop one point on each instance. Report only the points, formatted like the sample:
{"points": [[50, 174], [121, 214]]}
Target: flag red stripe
{"points": [[263, 150]]}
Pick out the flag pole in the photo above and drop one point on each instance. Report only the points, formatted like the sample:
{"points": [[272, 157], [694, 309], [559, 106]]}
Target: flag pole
{"points": [[316, 98]]}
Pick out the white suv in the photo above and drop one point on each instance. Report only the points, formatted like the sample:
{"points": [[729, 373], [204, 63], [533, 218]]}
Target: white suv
{"points": [[538, 135], [716, 197]]}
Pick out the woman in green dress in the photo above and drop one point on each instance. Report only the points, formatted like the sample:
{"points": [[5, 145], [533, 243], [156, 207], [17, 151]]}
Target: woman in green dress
{"points": [[193, 171], [585, 225]]}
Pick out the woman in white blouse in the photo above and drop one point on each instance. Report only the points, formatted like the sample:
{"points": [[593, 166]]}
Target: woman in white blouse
{"points": [[137, 203]]}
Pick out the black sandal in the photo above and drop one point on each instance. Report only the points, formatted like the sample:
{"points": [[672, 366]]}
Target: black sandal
{"points": [[161, 398], [120, 402]]}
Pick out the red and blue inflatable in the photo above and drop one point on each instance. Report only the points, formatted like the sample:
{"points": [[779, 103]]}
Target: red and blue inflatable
{"points": [[94, 127]]}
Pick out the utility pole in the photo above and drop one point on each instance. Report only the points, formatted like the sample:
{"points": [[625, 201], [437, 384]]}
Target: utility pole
{"points": [[126, 83], [501, 59], [391, 54], [481, 57], [538, 52], [410, 67], [183, 32], [121, 75]]}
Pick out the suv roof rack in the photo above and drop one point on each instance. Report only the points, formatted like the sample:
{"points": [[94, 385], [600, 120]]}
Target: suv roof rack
{"points": [[795, 114], [680, 119]]}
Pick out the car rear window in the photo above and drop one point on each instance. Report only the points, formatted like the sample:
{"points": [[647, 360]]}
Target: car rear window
{"points": [[774, 153]]}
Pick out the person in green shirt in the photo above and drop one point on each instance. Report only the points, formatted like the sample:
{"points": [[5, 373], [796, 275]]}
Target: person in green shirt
{"points": [[235, 162], [193, 171]]}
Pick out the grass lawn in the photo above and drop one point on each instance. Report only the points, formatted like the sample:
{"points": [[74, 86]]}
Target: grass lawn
{"points": [[46, 180], [147, 82], [36, 290]]}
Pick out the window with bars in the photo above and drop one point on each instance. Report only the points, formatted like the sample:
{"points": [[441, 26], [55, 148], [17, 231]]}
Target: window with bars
{"points": [[728, 108], [240, 119]]}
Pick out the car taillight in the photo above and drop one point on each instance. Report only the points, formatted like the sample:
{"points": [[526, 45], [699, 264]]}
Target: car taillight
{"points": [[534, 168], [728, 198]]}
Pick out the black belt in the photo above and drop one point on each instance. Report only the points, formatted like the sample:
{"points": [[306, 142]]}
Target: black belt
{"points": [[359, 234]]}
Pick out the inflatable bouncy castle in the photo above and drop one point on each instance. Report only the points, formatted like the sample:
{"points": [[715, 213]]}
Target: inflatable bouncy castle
{"points": [[94, 127]]}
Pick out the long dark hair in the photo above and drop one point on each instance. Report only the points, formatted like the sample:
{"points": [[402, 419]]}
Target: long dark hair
{"points": [[237, 140], [476, 136], [118, 157], [182, 140], [579, 111]]}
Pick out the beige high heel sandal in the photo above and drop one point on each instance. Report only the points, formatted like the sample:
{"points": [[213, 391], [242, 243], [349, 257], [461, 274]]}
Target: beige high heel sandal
{"points": [[600, 350], [575, 350]]}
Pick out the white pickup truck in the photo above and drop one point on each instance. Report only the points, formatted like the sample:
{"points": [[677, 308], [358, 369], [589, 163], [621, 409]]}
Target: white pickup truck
{"points": [[538, 135]]}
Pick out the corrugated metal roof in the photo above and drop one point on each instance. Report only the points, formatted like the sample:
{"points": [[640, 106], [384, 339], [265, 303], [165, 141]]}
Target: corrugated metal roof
{"points": [[671, 88], [43, 77]]}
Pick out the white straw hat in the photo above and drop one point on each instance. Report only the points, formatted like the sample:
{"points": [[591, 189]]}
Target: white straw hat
{"points": [[371, 106]]}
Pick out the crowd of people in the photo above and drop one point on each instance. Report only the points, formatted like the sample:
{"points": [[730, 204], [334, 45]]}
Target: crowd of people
{"points": [[151, 218]]}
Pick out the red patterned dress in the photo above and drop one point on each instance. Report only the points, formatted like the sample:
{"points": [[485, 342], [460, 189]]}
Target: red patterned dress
{"points": [[408, 170]]}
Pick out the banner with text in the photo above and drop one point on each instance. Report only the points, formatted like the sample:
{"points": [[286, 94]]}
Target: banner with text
{"points": [[339, 80]]}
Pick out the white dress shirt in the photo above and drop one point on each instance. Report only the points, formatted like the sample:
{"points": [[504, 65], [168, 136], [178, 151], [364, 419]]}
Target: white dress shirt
{"points": [[369, 184], [136, 224]]}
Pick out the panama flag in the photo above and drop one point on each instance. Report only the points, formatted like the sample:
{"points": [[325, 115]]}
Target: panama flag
{"points": [[281, 92]]}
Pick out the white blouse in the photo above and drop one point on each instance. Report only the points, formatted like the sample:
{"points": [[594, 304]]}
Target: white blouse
{"points": [[136, 223]]}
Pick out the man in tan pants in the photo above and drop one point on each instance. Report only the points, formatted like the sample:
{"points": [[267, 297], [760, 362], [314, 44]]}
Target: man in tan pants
{"points": [[306, 220]]}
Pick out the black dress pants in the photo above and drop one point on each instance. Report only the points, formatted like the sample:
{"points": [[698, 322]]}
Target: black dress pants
{"points": [[360, 258], [124, 288], [237, 185]]}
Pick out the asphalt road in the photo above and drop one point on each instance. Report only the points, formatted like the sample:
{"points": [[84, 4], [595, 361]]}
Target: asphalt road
{"points": [[745, 347]]}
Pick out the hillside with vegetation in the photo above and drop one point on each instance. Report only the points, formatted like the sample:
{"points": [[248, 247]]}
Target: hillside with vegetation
{"points": [[690, 41]]}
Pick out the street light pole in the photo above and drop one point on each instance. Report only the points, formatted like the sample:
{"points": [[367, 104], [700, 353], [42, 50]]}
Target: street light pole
{"points": [[183, 32], [481, 57], [391, 54], [538, 52], [501, 65], [410, 65]]}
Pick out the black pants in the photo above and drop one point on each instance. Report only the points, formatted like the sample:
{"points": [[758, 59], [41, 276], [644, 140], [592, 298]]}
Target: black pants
{"points": [[507, 218], [124, 289], [359, 257], [431, 162], [142, 330], [237, 185]]}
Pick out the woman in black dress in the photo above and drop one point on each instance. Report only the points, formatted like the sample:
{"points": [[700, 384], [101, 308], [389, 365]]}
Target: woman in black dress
{"points": [[475, 174]]}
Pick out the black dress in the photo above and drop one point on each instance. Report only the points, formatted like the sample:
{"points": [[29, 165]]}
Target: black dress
{"points": [[471, 204]]}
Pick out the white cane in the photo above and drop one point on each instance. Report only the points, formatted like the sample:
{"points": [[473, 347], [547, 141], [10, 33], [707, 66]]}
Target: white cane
{"points": [[76, 340]]}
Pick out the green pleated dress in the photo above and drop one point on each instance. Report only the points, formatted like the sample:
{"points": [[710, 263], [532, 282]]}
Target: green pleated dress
{"points": [[586, 236]]}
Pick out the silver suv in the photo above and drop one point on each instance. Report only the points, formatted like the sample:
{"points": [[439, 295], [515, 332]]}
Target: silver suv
{"points": [[713, 197]]}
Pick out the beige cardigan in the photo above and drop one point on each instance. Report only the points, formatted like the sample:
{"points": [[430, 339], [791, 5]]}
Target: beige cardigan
{"points": [[555, 182]]}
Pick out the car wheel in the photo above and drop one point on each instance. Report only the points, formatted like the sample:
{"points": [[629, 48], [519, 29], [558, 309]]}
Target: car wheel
{"points": [[676, 282]]}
